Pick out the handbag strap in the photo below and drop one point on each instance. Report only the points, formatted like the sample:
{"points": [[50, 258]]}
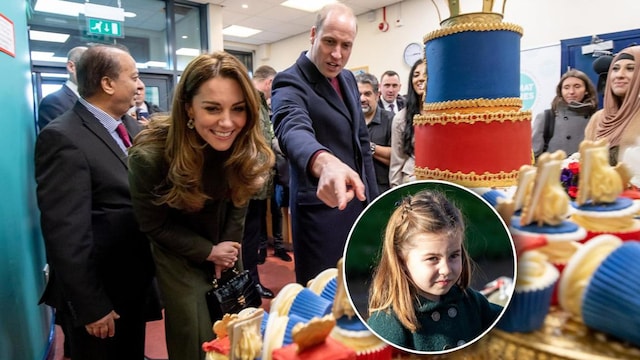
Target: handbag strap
{"points": [[215, 283]]}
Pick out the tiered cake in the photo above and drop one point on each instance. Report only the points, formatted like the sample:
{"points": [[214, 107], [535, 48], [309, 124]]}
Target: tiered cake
{"points": [[472, 131]]}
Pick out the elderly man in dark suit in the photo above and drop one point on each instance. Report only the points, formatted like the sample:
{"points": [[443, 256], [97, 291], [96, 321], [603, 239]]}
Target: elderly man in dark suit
{"points": [[321, 129], [56, 103], [101, 265]]}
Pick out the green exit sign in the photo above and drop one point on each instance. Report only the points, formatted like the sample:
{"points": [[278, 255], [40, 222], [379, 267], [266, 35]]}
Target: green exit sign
{"points": [[104, 27]]}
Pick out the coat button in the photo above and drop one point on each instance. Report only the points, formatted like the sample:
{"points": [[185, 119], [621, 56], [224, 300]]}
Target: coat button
{"points": [[566, 118], [435, 316], [568, 137], [452, 312]]}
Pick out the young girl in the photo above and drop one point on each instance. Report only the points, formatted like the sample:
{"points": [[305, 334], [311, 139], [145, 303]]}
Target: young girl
{"points": [[420, 297]]}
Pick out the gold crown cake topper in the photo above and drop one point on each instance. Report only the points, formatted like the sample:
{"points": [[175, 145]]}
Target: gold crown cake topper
{"points": [[471, 11]]}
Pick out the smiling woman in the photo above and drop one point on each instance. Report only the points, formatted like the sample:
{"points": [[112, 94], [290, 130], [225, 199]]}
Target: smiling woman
{"points": [[619, 120], [191, 174]]}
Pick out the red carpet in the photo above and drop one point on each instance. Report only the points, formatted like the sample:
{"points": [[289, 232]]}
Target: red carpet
{"points": [[274, 274]]}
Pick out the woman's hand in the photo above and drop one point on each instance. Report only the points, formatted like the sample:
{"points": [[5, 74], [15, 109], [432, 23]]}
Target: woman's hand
{"points": [[224, 256], [103, 327]]}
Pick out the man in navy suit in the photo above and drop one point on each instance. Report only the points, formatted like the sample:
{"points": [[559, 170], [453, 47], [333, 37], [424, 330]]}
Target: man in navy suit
{"points": [[101, 265], [321, 130], [56, 103], [390, 98]]}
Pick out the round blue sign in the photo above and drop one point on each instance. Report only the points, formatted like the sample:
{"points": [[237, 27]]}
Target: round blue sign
{"points": [[528, 91]]}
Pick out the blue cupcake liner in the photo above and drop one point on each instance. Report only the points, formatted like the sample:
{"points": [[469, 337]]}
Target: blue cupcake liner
{"points": [[263, 324], [611, 302], [308, 305], [293, 321], [493, 196], [527, 310], [329, 291]]}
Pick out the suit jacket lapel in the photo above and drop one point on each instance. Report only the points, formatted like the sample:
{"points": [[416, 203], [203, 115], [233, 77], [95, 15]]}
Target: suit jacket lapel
{"points": [[95, 127], [322, 86]]}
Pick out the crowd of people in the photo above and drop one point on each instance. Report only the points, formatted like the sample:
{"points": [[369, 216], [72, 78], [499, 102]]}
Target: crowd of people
{"points": [[142, 207]]}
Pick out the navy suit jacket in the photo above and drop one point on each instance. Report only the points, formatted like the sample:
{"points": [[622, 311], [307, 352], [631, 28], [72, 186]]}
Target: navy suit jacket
{"points": [[310, 116], [55, 104], [99, 260], [399, 100]]}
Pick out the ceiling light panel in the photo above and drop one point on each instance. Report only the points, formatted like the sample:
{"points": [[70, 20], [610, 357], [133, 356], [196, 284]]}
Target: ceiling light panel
{"points": [[307, 5]]}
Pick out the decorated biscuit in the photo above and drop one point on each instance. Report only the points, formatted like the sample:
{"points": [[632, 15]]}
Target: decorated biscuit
{"points": [[313, 333], [220, 326]]}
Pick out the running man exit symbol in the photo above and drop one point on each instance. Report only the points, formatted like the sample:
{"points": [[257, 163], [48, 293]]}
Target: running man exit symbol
{"points": [[104, 27]]}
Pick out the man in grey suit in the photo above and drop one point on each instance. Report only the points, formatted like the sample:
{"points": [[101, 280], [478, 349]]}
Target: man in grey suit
{"points": [[101, 265], [321, 130], [56, 103]]}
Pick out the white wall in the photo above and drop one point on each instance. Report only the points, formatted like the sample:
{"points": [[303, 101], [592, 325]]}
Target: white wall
{"points": [[545, 23]]}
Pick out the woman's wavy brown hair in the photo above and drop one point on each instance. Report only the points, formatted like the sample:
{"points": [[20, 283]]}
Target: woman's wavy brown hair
{"points": [[251, 159], [426, 212], [590, 96]]}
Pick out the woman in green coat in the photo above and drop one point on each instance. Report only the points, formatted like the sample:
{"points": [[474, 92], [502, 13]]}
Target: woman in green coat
{"points": [[192, 174]]}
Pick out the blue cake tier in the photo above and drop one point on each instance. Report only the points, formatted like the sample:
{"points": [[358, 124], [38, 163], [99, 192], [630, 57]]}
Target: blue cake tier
{"points": [[473, 65]]}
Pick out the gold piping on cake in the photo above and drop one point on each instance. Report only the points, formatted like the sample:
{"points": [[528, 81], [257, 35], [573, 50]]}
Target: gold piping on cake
{"points": [[499, 26], [473, 103], [457, 118], [471, 179]]}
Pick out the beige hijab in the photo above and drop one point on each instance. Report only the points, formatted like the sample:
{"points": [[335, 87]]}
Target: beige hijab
{"points": [[617, 113]]}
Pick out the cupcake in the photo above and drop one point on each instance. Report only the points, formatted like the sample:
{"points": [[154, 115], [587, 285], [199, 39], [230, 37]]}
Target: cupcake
{"points": [[237, 336], [325, 283], [600, 285], [529, 306], [279, 332], [599, 206], [350, 330], [355, 335], [576, 275], [540, 206], [311, 341], [558, 254], [611, 303], [295, 299], [616, 218]]}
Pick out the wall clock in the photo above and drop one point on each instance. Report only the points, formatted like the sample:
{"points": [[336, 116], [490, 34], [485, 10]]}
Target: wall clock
{"points": [[412, 53]]}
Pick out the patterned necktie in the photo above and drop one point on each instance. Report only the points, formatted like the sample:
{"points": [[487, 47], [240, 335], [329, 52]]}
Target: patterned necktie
{"points": [[391, 108], [122, 132]]}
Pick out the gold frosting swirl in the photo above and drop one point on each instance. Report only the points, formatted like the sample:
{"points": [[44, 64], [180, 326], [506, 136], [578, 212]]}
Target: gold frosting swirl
{"points": [[606, 225], [534, 271], [458, 28], [457, 118], [559, 252], [581, 266], [360, 343]]}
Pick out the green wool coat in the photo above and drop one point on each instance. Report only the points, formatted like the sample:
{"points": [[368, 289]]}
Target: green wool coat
{"points": [[181, 242], [458, 318]]}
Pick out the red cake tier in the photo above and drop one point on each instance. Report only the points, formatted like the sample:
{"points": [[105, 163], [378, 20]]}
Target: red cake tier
{"points": [[474, 150]]}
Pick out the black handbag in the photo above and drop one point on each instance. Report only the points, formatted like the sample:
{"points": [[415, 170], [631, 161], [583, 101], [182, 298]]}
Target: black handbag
{"points": [[230, 297]]}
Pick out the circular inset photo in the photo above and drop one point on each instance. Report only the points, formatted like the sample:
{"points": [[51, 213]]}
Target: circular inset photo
{"points": [[429, 267]]}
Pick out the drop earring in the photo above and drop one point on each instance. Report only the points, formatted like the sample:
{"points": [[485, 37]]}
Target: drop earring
{"points": [[190, 124]]}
